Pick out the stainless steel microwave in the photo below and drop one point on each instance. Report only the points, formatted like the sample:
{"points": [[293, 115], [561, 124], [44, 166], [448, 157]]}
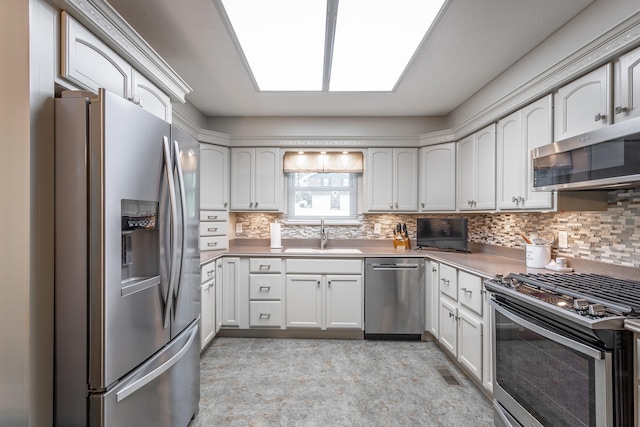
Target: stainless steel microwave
{"points": [[605, 158]]}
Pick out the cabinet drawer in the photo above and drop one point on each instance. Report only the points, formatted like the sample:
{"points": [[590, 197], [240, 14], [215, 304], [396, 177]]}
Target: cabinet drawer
{"points": [[265, 313], [324, 266], [214, 216], [448, 281], [208, 271], [265, 286], [212, 243], [470, 291], [265, 265], [213, 228]]}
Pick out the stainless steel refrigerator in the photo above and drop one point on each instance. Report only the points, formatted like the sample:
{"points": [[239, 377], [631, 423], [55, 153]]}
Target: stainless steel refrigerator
{"points": [[127, 272]]}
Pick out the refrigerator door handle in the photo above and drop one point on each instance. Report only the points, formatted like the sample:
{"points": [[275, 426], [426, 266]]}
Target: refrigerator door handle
{"points": [[130, 389], [174, 231], [183, 205]]}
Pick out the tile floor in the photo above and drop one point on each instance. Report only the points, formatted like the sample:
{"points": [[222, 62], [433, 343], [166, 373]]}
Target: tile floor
{"points": [[300, 382]]}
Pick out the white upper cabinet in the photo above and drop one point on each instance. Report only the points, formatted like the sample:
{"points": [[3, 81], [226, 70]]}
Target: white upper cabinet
{"points": [[627, 87], [150, 97], [437, 183], [583, 105], [256, 179], [214, 177], [90, 64], [476, 170], [517, 134], [392, 180]]}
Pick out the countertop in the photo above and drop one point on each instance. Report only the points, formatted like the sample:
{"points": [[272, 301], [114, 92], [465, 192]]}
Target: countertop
{"points": [[477, 261]]}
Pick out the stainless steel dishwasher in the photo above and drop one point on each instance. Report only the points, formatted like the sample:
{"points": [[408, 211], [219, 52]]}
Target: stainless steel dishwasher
{"points": [[394, 298]]}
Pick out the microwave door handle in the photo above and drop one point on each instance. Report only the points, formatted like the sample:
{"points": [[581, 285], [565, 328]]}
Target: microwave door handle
{"points": [[174, 230], [183, 222]]}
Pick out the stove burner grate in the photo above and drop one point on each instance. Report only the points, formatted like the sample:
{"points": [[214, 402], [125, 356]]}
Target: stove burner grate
{"points": [[616, 294]]}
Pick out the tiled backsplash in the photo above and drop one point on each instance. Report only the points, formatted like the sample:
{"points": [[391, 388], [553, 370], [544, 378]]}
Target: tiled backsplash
{"points": [[611, 236]]}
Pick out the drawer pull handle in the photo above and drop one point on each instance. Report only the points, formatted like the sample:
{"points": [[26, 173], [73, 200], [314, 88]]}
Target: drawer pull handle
{"points": [[210, 273], [466, 291], [445, 281], [266, 288], [265, 267], [620, 109], [598, 117], [212, 244], [452, 315], [212, 216], [212, 229], [265, 315]]}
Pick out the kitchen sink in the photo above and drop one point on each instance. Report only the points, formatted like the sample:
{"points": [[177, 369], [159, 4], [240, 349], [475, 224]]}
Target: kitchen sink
{"points": [[322, 251]]}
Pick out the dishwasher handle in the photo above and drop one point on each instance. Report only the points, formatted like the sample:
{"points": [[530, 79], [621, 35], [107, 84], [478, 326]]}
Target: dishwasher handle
{"points": [[394, 267]]}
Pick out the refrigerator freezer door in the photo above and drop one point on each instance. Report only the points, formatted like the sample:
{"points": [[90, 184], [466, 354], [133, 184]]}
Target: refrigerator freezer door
{"points": [[186, 305], [163, 392], [127, 290]]}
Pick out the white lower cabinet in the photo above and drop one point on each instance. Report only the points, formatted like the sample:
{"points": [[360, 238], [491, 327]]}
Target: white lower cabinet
{"points": [[462, 323], [265, 293], [207, 304], [318, 300], [234, 294]]}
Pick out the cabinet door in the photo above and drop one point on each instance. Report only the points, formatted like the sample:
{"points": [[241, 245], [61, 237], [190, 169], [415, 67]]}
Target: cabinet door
{"points": [[511, 167], [230, 291], [268, 180], [219, 286], [485, 187], [470, 343], [432, 298], [303, 301], [448, 326], [207, 313], [466, 171], [214, 177], [242, 178], [406, 179], [89, 63], [438, 177], [380, 179], [583, 105], [344, 302], [487, 349], [627, 81], [150, 97], [536, 131]]}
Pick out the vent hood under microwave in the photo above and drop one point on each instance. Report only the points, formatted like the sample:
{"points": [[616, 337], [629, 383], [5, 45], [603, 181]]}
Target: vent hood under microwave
{"points": [[606, 158]]}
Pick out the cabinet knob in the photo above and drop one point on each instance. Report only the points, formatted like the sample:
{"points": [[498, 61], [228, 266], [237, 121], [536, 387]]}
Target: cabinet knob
{"points": [[396, 205], [434, 269], [599, 117], [422, 204], [514, 199], [251, 204], [329, 283], [390, 205], [225, 204], [620, 109]]}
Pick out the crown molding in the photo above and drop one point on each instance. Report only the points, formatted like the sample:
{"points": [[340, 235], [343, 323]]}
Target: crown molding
{"points": [[202, 135], [102, 20], [337, 141], [438, 137]]}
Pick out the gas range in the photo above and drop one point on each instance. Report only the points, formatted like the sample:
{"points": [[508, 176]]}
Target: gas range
{"points": [[589, 300]]}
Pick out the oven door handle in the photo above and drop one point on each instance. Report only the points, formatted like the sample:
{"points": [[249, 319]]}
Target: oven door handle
{"points": [[582, 348]]}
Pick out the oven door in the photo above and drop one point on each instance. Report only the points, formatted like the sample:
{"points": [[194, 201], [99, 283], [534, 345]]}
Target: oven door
{"points": [[545, 378]]}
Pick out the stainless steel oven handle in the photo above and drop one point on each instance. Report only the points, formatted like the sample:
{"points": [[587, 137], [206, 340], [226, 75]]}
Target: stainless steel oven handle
{"points": [[584, 349]]}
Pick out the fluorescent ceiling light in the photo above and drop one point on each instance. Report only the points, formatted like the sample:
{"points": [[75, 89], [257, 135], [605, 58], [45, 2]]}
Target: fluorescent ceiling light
{"points": [[368, 43]]}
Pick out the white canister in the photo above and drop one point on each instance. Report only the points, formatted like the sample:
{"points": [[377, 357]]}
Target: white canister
{"points": [[538, 255]]}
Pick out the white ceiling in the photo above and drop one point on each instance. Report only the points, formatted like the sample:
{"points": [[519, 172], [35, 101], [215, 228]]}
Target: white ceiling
{"points": [[471, 44]]}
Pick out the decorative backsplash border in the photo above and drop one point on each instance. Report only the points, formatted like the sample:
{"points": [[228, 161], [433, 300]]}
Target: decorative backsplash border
{"points": [[611, 236]]}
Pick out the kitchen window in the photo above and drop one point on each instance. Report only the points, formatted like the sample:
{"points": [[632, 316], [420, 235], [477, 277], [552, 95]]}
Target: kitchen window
{"points": [[312, 195]]}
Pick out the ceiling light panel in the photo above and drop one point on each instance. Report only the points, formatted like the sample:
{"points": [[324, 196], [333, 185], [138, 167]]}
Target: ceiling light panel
{"points": [[282, 41], [376, 39]]}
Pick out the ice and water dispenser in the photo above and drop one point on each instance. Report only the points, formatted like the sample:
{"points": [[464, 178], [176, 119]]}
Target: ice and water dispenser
{"points": [[140, 245]]}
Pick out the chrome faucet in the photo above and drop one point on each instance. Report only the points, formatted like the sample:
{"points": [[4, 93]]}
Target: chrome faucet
{"points": [[324, 234]]}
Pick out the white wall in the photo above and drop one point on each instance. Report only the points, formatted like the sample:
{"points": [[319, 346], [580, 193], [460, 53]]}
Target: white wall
{"points": [[26, 220]]}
